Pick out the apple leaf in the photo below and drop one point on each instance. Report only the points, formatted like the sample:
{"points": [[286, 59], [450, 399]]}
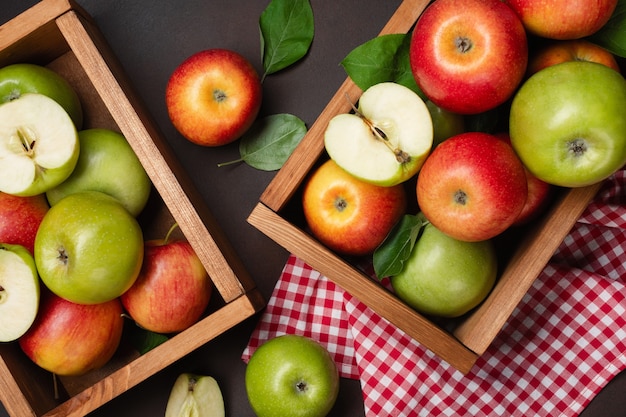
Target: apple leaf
{"points": [[612, 35], [144, 340], [381, 59], [286, 33], [390, 256]]}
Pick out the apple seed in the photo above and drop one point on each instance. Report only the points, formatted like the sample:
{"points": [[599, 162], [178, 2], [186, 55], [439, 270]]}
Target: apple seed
{"points": [[577, 147]]}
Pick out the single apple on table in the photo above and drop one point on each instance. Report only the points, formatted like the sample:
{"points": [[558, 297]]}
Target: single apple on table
{"points": [[108, 164], [213, 97], [567, 123], [20, 218], [172, 290], [19, 291], [386, 140], [291, 375], [38, 145], [73, 339], [195, 395], [348, 215], [556, 52], [89, 248], [468, 56], [472, 187]]}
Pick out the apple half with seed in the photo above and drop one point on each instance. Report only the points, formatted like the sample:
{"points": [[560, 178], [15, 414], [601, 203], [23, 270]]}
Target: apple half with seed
{"points": [[195, 395], [387, 138], [19, 291], [38, 145]]}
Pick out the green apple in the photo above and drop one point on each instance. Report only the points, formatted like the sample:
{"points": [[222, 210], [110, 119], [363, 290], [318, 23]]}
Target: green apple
{"points": [[291, 375], [19, 291], [108, 164], [38, 145], [89, 248], [386, 140], [567, 123], [22, 78], [195, 395], [444, 276], [445, 123]]}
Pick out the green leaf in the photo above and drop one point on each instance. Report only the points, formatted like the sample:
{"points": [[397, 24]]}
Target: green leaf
{"points": [[144, 340], [395, 250], [270, 141], [612, 35], [286, 33], [381, 59]]}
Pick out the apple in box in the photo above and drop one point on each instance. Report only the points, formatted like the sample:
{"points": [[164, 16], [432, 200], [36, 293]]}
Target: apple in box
{"points": [[556, 52], [20, 218]]}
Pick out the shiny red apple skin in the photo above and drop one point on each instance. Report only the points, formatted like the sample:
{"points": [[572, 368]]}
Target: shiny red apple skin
{"points": [[73, 339], [468, 56], [559, 51], [472, 187], [173, 288], [20, 218], [213, 97], [348, 215], [563, 19]]}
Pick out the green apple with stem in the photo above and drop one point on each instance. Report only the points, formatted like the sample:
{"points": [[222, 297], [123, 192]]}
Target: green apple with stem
{"points": [[107, 163], [291, 375], [386, 139], [195, 395], [19, 291], [89, 248], [38, 145]]}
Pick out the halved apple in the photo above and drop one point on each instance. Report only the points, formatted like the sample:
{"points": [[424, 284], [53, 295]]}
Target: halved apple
{"points": [[195, 395], [386, 140], [38, 145], [19, 291]]}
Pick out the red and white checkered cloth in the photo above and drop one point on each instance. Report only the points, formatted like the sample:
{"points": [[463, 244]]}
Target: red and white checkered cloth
{"points": [[564, 341]]}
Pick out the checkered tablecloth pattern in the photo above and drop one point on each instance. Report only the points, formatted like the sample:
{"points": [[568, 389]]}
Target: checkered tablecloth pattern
{"points": [[564, 341]]}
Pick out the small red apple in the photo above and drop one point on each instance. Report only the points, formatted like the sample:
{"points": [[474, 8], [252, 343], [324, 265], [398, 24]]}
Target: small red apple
{"points": [[173, 288], [73, 339], [350, 216], [570, 50], [472, 187], [563, 19], [468, 56], [213, 97], [20, 218]]}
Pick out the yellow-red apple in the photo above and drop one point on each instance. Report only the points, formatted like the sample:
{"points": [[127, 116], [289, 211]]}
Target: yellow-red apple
{"points": [[213, 97], [348, 215], [468, 56], [20, 218], [556, 52]]}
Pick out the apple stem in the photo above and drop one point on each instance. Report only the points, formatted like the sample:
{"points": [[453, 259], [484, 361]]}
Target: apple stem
{"points": [[169, 232], [235, 161]]}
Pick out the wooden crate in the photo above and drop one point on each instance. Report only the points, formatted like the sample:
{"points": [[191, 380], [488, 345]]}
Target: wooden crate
{"points": [[461, 342], [61, 35]]}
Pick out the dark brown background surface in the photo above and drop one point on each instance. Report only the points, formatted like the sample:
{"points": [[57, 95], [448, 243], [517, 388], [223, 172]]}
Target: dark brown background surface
{"points": [[151, 37]]}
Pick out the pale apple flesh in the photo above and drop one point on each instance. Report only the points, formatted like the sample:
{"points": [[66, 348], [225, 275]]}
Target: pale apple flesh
{"points": [[38, 145], [195, 396], [387, 139]]}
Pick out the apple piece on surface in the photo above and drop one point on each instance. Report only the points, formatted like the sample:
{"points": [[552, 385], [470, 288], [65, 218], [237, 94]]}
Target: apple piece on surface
{"points": [[386, 140], [444, 276], [348, 215], [195, 395], [23, 78], [563, 19], [556, 52], [213, 97], [468, 56], [291, 375], [108, 164], [73, 339], [20, 218], [567, 123], [38, 145], [19, 291], [472, 187], [89, 248], [173, 288]]}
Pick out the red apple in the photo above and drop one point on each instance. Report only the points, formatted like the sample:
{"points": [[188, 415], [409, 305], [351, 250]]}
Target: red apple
{"points": [[213, 97], [348, 215], [570, 50], [563, 19], [472, 187], [20, 218], [468, 56], [73, 339], [173, 288]]}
